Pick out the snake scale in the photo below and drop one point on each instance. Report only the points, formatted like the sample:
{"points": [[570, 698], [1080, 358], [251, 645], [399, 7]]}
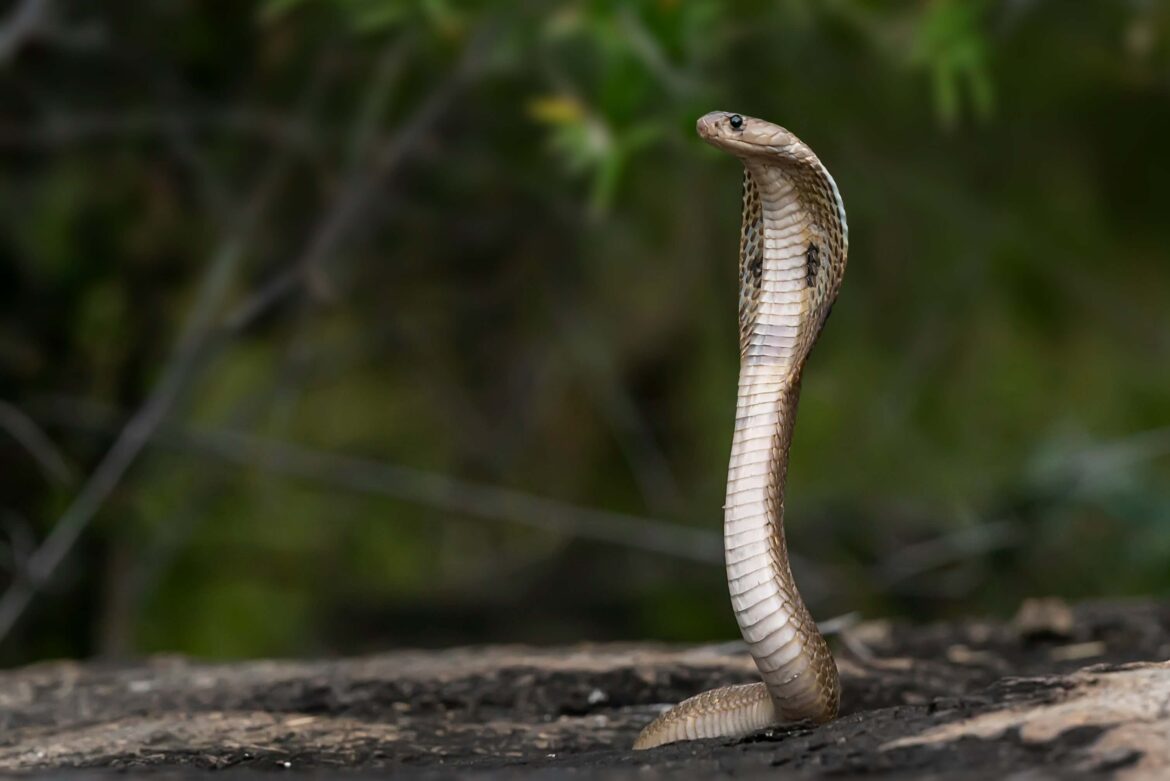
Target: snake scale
{"points": [[793, 246]]}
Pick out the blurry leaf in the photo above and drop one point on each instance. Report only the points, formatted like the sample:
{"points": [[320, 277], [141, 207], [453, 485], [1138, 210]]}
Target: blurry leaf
{"points": [[274, 9], [949, 42], [946, 93], [982, 93], [605, 181], [362, 16], [371, 16], [564, 22], [556, 110], [443, 17], [609, 173], [587, 145]]}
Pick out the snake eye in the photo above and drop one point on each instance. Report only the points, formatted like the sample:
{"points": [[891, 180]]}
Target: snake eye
{"points": [[736, 121]]}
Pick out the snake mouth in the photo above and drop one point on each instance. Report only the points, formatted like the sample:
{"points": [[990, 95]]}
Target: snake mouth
{"points": [[706, 123], [715, 125]]}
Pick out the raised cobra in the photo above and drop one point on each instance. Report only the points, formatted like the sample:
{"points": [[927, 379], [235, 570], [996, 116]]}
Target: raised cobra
{"points": [[792, 253]]}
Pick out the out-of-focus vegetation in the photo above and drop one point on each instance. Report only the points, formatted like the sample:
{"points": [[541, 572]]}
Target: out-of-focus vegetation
{"points": [[328, 326]]}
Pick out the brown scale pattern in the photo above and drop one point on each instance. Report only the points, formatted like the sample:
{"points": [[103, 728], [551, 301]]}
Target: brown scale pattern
{"points": [[751, 259], [826, 234]]}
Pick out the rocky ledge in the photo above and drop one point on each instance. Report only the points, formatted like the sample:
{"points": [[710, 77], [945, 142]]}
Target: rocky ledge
{"points": [[1057, 692]]}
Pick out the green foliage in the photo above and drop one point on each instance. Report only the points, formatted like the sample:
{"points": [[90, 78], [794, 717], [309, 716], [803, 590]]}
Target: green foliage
{"points": [[534, 288], [365, 17], [951, 45]]}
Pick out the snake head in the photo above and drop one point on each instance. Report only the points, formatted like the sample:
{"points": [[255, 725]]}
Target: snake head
{"points": [[744, 136]]}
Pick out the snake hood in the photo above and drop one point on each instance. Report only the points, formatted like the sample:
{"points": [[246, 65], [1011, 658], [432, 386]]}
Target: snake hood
{"points": [[758, 142]]}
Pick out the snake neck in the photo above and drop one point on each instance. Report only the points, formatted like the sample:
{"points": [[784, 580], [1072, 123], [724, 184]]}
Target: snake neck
{"points": [[783, 252]]}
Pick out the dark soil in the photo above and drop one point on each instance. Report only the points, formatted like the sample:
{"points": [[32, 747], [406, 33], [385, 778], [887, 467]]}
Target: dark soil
{"points": [[969, 699]]}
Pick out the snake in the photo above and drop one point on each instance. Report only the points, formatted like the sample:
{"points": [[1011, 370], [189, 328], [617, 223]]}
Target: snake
{"points": [[793, 246]]}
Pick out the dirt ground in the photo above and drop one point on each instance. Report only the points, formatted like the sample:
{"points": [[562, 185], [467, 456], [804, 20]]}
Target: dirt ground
{"points": [[1059, 692]]}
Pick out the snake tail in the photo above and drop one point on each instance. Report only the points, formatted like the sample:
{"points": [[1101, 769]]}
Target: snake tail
{"points": [[734, 711]]}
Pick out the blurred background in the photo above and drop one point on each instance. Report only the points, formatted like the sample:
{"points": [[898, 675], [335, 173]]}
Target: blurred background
{"points": [[329, 326]]}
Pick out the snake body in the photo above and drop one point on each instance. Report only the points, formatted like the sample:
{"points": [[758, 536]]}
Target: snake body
{"points": [[793, 247]]}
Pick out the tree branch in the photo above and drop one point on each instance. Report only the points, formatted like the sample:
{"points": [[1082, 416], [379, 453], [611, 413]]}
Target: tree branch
{"points": [[433, 489], [40, 447]]}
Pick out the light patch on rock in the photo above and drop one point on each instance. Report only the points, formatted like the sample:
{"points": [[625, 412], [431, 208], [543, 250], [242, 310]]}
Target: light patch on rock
{"points": [[1131, 703]]}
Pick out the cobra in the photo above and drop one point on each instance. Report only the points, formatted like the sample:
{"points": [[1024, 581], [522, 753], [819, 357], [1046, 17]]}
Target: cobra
{"points": [[792, 252]]}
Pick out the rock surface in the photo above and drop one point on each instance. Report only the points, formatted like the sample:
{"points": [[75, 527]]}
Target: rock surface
{"points": [[1058, 692]]}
